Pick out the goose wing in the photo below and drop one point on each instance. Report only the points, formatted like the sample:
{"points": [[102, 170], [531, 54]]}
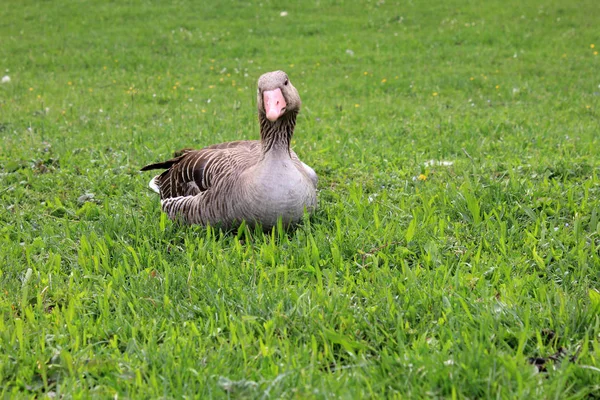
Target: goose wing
{"points": [[191, 172]]}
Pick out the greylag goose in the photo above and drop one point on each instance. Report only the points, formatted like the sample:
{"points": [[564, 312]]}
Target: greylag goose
{"points": [[258, 181]]}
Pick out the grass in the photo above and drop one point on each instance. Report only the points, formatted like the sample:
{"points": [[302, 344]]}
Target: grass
{"points": [[414, 278]]}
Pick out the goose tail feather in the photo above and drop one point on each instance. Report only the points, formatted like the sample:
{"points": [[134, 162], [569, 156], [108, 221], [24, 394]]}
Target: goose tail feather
{"points": [[160, 165], [169, 163]]}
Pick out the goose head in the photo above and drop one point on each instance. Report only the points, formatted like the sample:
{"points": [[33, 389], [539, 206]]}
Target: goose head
{"points": [[277, 96]]}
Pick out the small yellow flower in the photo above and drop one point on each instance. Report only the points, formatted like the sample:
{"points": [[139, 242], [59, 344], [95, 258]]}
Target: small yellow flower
{"points": [[192, 88], [588, 107], [366, 73], [318, 64], [592, 46], [422, 177], [104, 68], [434, 94], [174, 87], [211, 67], [232, 83], [69, 83], [564, 55], [357, 105], [228, 74], [116, 61], [39, 96], [383, 80], [291, 65], [221, 80], [211, 60], [211, 86], [31, 89], [595, 53], [203, 110], [497, 86], [396, 77], [63, 112], [471, 79], [90, 90]]}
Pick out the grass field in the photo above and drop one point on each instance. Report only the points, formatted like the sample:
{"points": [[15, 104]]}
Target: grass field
{"points": [[458, 232]]}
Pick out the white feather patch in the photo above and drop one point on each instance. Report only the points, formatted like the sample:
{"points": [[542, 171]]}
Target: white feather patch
{"points": [[152, 184]]}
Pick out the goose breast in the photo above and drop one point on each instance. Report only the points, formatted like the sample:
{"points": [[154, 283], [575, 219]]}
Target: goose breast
{"points": [[279, 187]]}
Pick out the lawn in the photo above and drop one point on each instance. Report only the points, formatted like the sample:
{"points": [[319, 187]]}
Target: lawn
{"points": [[455, 251]]}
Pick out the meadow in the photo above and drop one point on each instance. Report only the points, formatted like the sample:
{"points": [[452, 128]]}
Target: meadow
{"points": [[455, 251]]}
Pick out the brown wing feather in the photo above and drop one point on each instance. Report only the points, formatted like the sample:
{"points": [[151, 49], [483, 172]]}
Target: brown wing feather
{"points": [[194, 171], [249, 144]]}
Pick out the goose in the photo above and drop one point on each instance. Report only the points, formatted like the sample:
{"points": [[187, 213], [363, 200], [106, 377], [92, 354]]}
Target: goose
{"points": [[257, 181]]}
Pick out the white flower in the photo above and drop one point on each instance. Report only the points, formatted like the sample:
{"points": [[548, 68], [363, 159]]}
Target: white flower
{"points": [[283, 14], [350, 53], [5, 79], [441, 163]]}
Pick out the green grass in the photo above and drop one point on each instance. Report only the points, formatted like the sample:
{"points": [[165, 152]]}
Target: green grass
{"points": [[411, 280]]}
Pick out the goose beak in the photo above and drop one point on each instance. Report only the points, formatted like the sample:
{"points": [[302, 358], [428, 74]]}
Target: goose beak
{"points": [[274, 104]]}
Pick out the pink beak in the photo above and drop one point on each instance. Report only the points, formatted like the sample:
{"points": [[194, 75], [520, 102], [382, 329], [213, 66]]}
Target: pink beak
{"points": [[274, 104]]}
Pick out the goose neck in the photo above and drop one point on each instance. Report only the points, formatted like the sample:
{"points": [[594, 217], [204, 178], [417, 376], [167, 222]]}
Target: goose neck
{"points": [[276, 136]]}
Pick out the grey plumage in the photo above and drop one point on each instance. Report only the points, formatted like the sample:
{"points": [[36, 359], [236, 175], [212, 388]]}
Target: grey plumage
{"points": [[251, 180]]}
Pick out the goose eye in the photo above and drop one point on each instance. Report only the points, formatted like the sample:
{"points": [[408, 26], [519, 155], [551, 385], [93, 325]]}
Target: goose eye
{"points": [[286, 82]]}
